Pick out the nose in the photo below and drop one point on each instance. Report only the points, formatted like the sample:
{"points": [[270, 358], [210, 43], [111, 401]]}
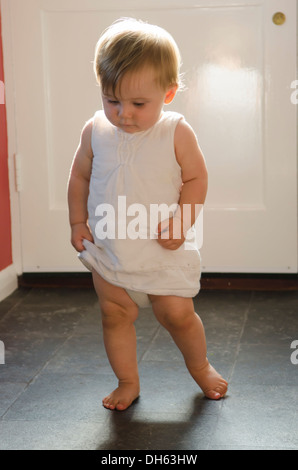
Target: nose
{"points": [[125, 111]]}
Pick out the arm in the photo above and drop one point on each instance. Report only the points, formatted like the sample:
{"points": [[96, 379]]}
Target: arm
{"points": [[195, 182], [78, 189]]}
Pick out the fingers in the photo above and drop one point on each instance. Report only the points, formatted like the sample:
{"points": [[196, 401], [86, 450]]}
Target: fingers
{"points": [[169, 234], [79, 233]]}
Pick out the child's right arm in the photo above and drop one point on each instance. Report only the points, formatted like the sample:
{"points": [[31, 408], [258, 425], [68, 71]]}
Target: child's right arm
{"points": [[78, 189]]}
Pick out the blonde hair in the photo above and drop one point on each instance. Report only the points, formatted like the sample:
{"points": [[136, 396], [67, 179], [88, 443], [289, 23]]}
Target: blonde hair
{"points": [[129, 44]]}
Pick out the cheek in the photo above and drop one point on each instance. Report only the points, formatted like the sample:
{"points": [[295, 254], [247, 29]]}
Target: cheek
{"points": [[109, 111], [107, 108]]}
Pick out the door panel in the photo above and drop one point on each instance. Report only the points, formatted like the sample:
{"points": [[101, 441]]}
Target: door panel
{"points": [[238, 68]]}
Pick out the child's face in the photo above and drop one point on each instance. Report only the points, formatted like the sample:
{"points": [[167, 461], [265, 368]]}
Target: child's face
{"points": [[138, 104]]}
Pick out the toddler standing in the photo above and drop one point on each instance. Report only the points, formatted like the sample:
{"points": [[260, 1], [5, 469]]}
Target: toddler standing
{"points": [[135, 153]]}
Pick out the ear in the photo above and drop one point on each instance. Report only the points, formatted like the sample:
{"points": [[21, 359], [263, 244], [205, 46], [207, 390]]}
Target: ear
{"points": [[171, 94]]}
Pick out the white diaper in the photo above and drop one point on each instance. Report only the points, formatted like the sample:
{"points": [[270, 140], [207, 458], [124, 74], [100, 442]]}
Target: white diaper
{"points": [[140, 298], [90, 260]]}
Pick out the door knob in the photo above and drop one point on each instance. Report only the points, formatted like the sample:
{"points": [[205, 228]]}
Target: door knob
{"points": [[279, 18]]}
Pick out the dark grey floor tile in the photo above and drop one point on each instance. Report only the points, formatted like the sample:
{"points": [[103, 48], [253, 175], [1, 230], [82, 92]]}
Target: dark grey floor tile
{"points": [[158, 431], [163, 348], [271, 325], [221, 353], [46, 320], [244, 447], [146, 319], [168, 387], [12, 300], [276, 300], [258, 416], [89, 320], [26, 355], [55, 397], [9, 393], [223, 315], [265, 364], [49, 435], [63, 298], [80, 355], [226, 305]]}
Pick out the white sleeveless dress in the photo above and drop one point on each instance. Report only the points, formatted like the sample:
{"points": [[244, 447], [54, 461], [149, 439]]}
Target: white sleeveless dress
{"points": [[132, 172]]}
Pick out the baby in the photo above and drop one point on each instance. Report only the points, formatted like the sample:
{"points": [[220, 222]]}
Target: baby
{"points": [[134, 153]]}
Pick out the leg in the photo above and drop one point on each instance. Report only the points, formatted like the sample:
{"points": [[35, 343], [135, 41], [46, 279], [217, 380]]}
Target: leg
{"points": [[118, 315], [177, 315]]}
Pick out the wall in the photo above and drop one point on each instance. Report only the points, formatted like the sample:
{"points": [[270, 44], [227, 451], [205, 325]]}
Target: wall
{"points": [[5, 220], [8, 277]]}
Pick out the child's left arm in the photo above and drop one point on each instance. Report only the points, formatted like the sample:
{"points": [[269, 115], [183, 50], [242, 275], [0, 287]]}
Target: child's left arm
{"points": [[195, 182]]}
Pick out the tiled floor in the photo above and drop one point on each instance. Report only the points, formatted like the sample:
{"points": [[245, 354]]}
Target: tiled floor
{"points": [[56, 373]]}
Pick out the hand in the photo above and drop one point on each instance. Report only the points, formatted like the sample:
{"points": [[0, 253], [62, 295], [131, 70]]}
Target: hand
{"points": [[79, 232], [170, 233]]}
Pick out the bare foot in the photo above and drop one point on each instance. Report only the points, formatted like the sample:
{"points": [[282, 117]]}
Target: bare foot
{"points": [[210, 381], [122, 397]]}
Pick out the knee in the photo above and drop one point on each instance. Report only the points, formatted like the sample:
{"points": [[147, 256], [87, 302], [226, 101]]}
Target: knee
{"points": [[176, 319], [115, 315]]}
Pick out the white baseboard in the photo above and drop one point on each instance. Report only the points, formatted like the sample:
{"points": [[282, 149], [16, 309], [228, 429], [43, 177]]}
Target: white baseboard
{"points": [[8, 281]]}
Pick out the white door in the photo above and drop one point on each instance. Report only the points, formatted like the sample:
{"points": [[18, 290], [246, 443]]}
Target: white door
{"points": [[238, 68]]}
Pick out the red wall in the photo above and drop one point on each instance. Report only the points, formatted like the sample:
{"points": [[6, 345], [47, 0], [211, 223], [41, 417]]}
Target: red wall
{"points": [[5, 220]]}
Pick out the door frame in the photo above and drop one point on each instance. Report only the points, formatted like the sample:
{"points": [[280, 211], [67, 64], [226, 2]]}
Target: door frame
{"points": [[11, 136]]}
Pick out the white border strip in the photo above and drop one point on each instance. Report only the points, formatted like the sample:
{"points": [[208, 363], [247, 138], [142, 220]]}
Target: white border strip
{"points": [[8, 281]]}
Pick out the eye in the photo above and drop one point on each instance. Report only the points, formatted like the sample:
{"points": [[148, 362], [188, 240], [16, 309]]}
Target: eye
{"points": [[114, 102], [139, 105]]}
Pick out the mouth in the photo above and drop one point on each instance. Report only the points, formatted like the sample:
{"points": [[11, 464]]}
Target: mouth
{"points": [[128, 127]]}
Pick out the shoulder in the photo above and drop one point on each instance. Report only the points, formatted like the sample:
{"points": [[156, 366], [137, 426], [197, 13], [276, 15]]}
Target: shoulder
{"points": [[185, 136], [171, 118], [188, 152], [99, 119], [86, 136], [87, 129], [181, 127]]}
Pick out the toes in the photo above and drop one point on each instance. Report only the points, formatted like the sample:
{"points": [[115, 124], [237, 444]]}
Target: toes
{"points": [[120, 407], [108, 404], [213, 395], [218, 392], [111, 405]]}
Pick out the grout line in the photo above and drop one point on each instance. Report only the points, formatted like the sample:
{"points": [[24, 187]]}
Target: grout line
{"points": [[240, 335], [143, 356], [17, 397], [15, 305], [229, 379], [36, 375]]}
